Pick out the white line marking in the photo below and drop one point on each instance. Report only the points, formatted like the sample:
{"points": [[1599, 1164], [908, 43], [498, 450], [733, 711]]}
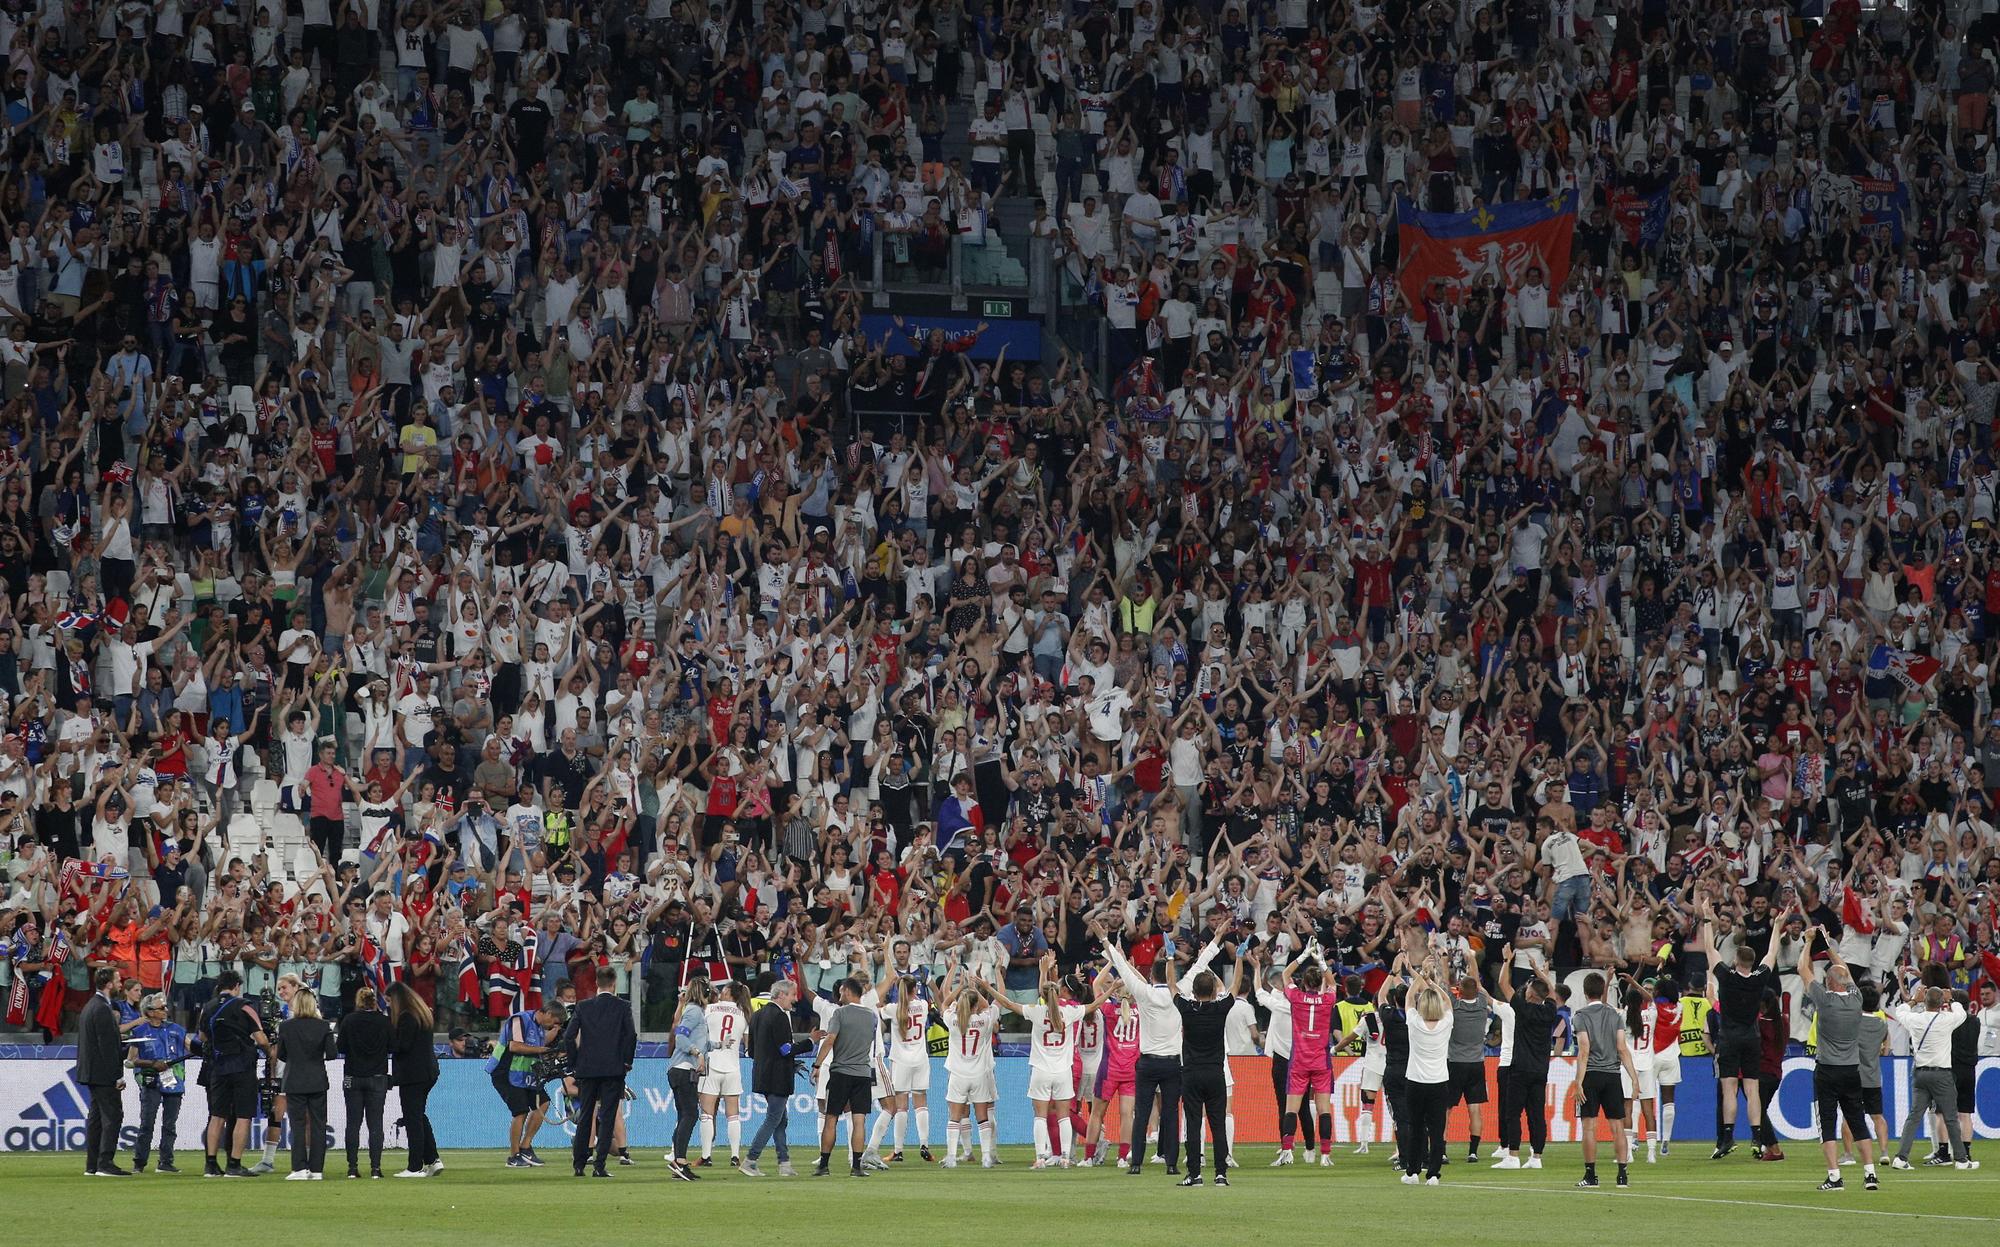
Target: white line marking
{"points": [[1742, 1203]]}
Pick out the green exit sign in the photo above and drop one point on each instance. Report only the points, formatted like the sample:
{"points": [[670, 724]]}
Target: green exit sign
{"points": [[997, 309]]}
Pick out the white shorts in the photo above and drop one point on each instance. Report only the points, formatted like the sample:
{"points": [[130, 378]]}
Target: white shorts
{"points": [[1667, 1067], [909, 1073], [1372, 1070], [970, 1089], [1048, 1084], [1646, 1088], [722, 1081]]}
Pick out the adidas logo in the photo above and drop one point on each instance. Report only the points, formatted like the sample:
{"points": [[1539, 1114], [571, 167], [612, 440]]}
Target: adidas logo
{"points": [[54, 1123]]}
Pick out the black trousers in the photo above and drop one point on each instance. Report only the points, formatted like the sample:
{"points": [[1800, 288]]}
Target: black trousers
{"points": [[1766, 1134], [306, 1110], [365, 1097], [1206, 1094], [417, 1123], [1397, 1091], [1423, 1144], [1523, 1091], [101, 1126], [1157, 1076], [1281, 1078], [597, 1101], [687, 1109]]}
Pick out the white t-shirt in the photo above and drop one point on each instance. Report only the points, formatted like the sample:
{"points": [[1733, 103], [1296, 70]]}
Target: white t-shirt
{"points": [[727, 1030]]}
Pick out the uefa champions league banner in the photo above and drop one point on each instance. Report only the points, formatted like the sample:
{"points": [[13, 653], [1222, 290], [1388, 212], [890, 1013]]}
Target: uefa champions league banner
{"points": [[42, 1109]]}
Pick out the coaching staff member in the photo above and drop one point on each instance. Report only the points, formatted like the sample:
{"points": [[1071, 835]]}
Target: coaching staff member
{"points": [[601, 1042], [232, 1036], [100, 1069], [1204, 1075], [1465, 1058], [850, 1046], [1837, 1061], [1524, 1068], [1160, 1041], [1604, 1053], [773, 1068], [1738, 994]]}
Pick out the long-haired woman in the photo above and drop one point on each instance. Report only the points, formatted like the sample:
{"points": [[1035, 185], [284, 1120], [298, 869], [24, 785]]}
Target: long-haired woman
{"points": [[722, 1085], [411, 1044], [909, 1064], [970, 1020], [364, 1039], [1429, 1016], [1051, 1062], [687, 1061]]}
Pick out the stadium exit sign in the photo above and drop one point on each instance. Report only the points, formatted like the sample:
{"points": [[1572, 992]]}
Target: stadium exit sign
{"points": [[997, 309]]}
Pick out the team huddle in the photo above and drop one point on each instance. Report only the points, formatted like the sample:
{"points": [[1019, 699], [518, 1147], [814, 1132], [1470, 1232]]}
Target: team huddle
{"points": [[1129, 1057]]}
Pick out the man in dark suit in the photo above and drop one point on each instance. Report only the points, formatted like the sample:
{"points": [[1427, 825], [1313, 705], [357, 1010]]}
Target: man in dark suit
{"points": [[601, 1042], [774, 1066], [100, 1070]]}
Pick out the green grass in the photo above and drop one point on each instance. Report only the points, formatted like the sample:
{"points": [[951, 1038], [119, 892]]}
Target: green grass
{"points": [[477, 1199]]}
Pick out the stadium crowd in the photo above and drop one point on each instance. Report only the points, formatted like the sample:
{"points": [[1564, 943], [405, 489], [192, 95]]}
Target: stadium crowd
{"points": [[446, 414]]}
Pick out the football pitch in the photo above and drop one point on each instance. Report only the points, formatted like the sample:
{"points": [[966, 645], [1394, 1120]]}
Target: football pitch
{"points": [[478, 1199]]}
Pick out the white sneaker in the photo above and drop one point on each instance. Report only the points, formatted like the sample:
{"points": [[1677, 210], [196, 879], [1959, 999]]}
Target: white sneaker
{"points": [[1897, 1162], [1652, 1153], [1965, 1164], [1845, 1161], [262, 1166], [1533, 1162], [785, 1169], [298, 1176], [1409, 1179], [412, 1173], [1062, 1162], [1498, 1152], [987, 1162], [1041, 1162], [1507, 1162], [1361, 1150], [1159, 1158], [435, 1168], [1430, 1182], [949, 1162], [318, 1176], [1284, 1158], [1326, 1160]]}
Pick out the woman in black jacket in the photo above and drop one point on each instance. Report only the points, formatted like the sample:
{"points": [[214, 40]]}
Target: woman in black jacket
{"points": [[305, 1045], [364, 1043], [411, 1043]]}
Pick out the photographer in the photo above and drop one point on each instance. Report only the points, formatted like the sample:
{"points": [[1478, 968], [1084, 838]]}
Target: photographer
{"points": [[517, 1068], [160, 1063], [233, 1037]]}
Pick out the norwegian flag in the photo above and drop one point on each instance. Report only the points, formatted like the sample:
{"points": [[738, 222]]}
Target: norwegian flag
{"points": [[468, 972], [76, 621], [512, 984], [376, 968]]}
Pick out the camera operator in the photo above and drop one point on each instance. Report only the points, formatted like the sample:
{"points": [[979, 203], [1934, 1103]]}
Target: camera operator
{"points": [[516, 1068], [233, 1038]]}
